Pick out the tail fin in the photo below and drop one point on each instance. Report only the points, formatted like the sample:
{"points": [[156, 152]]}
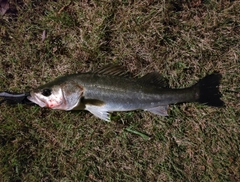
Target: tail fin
{"points": [[209, 93]]}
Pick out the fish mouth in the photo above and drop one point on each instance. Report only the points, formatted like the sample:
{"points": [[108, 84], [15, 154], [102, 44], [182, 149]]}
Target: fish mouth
{"points": [[33, 98]]}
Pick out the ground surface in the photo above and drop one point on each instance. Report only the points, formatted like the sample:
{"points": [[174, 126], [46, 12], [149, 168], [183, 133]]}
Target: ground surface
{"points": [[182, 40]]}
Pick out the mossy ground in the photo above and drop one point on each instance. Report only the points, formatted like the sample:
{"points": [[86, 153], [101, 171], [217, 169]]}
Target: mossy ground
{"points": [[182, 40]]}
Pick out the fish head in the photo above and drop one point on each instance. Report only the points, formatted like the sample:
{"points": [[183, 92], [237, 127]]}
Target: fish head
{"points": [[47, 97], [64, 96]]}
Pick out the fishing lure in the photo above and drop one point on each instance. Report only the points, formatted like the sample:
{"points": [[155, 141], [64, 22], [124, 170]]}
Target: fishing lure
{"points": [[15, 98]]}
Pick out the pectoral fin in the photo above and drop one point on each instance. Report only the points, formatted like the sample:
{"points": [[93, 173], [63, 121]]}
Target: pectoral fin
{"points": [[160, 110], [98, 111]]}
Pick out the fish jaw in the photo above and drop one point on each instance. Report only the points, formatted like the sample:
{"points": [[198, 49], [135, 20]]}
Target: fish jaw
{"points": [[35, 99]]}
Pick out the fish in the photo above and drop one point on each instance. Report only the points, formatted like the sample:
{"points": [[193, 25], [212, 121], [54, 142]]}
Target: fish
{"points": [[111, 89]]}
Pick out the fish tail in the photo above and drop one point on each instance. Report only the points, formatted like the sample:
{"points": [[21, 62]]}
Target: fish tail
{"points": [[208, 90]]}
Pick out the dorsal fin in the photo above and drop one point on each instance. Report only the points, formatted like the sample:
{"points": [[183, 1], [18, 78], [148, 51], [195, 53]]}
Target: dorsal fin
{"points": [[114, 70], [154, 78]]}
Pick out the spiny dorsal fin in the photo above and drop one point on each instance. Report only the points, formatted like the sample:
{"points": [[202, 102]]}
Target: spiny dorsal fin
{"points": [[114, 70], [156, 79]]}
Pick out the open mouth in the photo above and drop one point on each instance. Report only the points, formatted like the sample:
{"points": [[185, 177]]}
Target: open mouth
{"points": [[36, 100]]}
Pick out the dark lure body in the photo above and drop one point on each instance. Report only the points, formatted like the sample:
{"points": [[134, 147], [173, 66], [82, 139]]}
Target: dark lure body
{"points": [[15, 98]]}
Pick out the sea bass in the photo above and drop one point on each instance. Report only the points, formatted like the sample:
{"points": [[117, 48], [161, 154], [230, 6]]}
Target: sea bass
{"points": [[108, 89]]}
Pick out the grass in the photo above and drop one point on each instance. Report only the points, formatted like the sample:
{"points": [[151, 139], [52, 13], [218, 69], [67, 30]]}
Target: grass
{"points": [[183, 40]]}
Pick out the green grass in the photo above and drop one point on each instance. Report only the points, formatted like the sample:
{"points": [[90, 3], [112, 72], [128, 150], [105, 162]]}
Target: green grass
{"points": [[182, 40]]}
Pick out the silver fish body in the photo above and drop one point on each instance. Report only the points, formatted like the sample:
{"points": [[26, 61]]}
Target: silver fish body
{"points": [[107, 90]]}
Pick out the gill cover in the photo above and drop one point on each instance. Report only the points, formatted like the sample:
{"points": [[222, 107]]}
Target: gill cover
{"points": [[72, 93]]}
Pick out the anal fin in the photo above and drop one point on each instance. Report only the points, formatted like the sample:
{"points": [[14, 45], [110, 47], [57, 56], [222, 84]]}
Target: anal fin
{"points": [[160, 110]]}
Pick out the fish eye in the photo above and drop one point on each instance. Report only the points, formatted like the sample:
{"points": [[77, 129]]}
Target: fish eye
{"points": [[46, 92]]}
